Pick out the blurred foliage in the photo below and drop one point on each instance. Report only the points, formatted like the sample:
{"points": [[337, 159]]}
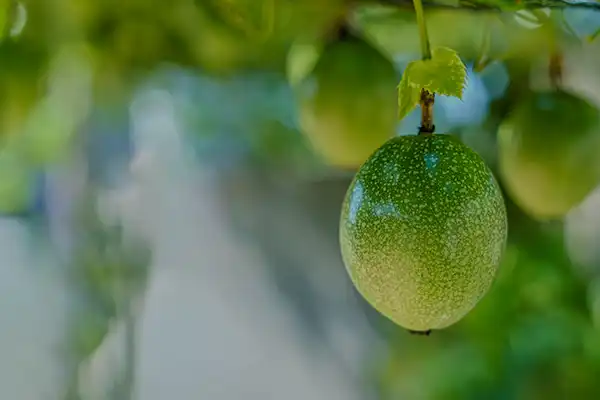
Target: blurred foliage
{"points": [[536, 335], [110, 267], [109, 273]]}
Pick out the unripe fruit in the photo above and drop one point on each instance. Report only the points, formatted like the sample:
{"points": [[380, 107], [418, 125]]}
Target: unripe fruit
{"points": [[348, 104], [549, 150], [422, 231]]}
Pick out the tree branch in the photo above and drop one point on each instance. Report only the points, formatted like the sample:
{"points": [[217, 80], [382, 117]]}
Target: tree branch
{"points": [[497, 5]]}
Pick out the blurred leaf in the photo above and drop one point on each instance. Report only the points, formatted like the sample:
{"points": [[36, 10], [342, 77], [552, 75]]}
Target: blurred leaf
{"points": [[593, 36], [16, 182], [302, 57], [90, 331], [47, 133], [557, 335]]}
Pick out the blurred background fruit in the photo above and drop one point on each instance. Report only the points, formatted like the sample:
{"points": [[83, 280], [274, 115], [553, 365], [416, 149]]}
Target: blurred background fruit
{"points": [[347, 110], [548, 152]]}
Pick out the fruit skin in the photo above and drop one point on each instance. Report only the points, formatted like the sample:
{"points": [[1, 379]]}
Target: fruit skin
{"points": [[422, 230], [548, 152], [348, 105]]}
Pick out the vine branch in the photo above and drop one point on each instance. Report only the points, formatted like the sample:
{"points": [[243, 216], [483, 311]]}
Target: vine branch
{"points": [[424, 36], [485, 5], [555, 68]]}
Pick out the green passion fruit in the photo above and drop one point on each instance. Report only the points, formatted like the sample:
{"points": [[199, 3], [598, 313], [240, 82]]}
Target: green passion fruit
{"points": [[548, 152], [422, 231], [348, 103]]}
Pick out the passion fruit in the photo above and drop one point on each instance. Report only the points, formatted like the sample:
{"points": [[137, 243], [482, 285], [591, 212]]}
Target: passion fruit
{"points": [[422, 231], [348, 103], [548, 152]]}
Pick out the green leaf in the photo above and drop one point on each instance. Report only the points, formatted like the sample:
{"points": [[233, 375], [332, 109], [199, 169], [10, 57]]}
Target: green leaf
{"points": [[593, 36], [408, 95], [89, 334], [444, 74]]}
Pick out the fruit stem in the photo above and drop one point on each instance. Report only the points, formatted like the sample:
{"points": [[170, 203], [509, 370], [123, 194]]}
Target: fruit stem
{"points": [[555, 66], [341, 29], [343, 33], [425, 46], [427, 102], [420, 333]]}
